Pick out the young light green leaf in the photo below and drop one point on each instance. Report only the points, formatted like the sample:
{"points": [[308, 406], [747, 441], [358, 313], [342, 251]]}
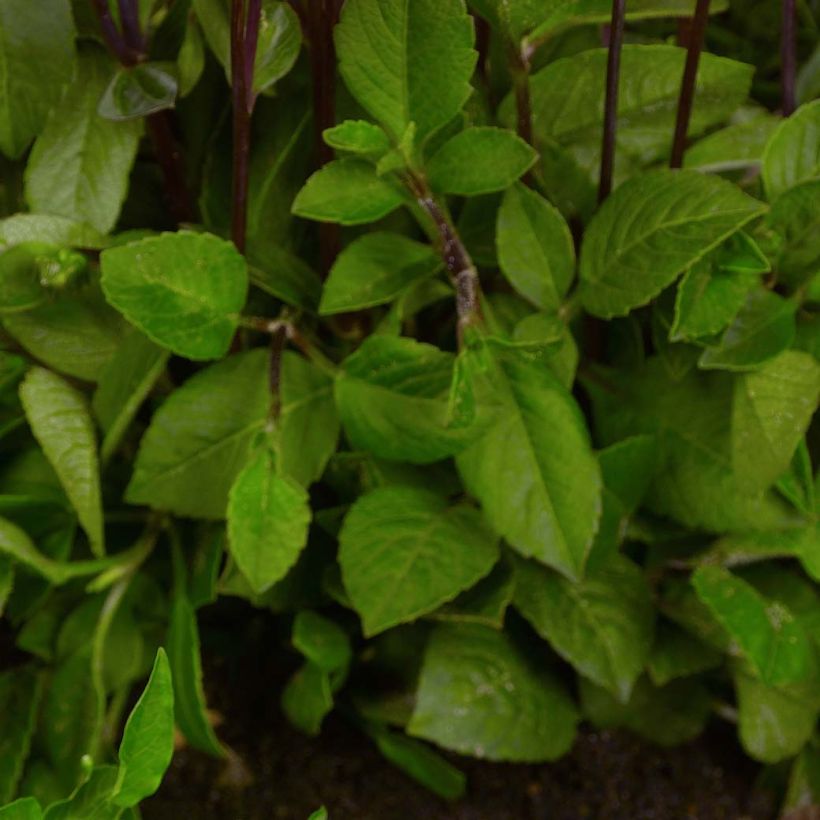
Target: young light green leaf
{"points": [[420, 762], [319, 814], [792, 154], [774, 722], [374, 269], [59, 417], [479, 160], [80, 163], [321, 641], [138, 91], [407, 60], [280, 39], [603, 625], [307, 698], [123, 386], [268, 520], [653, 228], [479, 694], [404, 552], [20, 691], [25, 808], [392, 396], [771, 412], [20, 286], [763, 328], [148, 739], [357, 137], [768, 634], [186, 674], [548, 503], [36, 56], [91, 800], [182, 289], [347, 191], [535, 248], [53, 230]]}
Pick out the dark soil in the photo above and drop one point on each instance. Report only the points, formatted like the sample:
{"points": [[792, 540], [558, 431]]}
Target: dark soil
{"points": [[281, 774]]}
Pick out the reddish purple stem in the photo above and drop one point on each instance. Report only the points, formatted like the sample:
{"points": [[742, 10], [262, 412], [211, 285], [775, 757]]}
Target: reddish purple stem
{"points": [[613, 71], [694, 46], [788, 57]]}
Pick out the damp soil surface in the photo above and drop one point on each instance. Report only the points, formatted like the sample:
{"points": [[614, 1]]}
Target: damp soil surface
{"points": [[280, 774]]}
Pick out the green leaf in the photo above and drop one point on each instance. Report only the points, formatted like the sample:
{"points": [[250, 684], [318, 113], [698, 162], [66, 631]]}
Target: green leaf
{"points": [[124, 385], [480, 695], [795, 215], [479, 160], [792, 154], [652, 713], [653, 228], [138, 91], [80, 163], [321, 641], [420, 762], [347, 191], [694, 483], [404, 552], [59, 417], [20, 285], [767, 633], [285, 276], [53, 230], [374, 269], [307, 698], [774, 722], [407, 61], [568, 100], [392, 395], [763, 328], [186, 673], [278, 46], [771, 412], [603, 625], [535, 247], [714, 289], [191, 58], [77, 333], [20, 691], [182, 289], [539, 484], [677, 654], [357, 137], [486, 603], [26, 808], [319, 814], [735, 147], [268, 520], [36, 56], [148, 739], [200, 439], [91, 800]]}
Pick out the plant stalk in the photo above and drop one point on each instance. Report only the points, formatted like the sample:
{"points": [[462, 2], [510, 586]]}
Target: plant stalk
{"points": [[613, 71], [788, 57], [694, 46]]}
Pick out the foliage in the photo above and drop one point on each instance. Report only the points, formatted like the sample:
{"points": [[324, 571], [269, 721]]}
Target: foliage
{"points": [[377, 362]]}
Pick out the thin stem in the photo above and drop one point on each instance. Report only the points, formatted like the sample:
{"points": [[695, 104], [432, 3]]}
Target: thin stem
{"points": [[277, 348], [115, 42], [788, 57], [171, 162], [456, 258], [130, 23], [243, 55], [694, 47], [520, 69], [321, 17], [613, 71]]}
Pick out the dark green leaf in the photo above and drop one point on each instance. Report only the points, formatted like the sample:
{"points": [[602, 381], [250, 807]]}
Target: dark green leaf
{"points": [[357, 137], [321, 641], [792, 154], [20, 692], [138, 92]]}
